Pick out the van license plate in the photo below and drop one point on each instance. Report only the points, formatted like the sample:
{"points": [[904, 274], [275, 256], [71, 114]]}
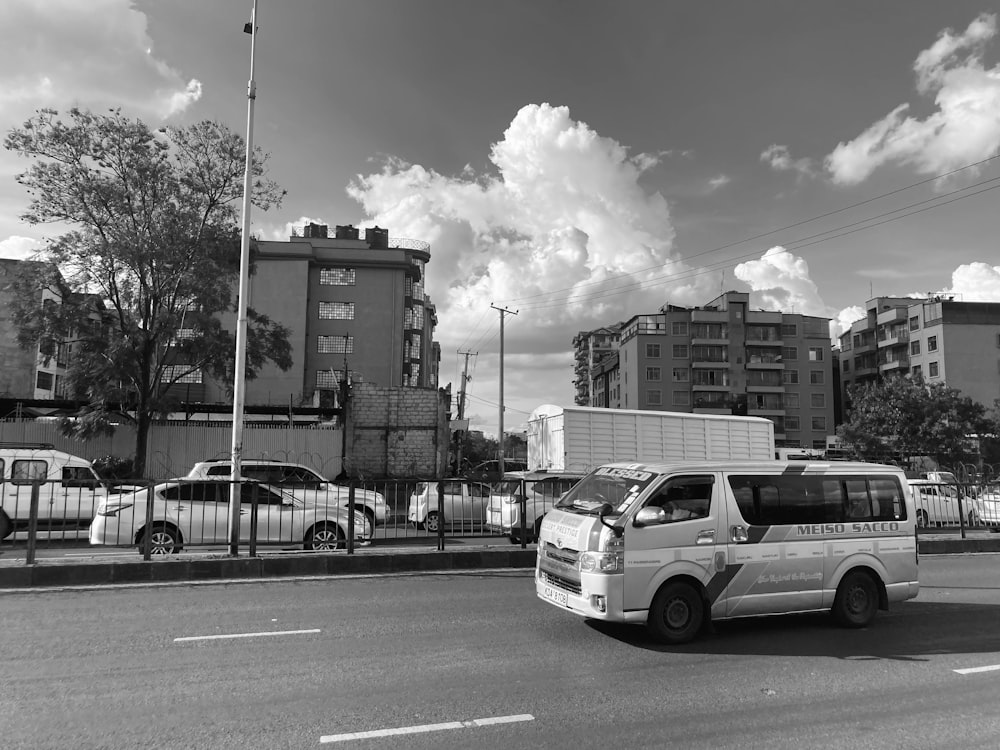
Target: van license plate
{"points": [[555, 595]]}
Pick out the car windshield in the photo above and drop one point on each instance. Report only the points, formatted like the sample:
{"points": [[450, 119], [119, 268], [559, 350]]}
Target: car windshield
{"points": [[616, 486]]}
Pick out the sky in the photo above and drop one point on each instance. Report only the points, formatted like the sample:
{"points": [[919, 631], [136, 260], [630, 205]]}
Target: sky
{"points": [[572, 161]]}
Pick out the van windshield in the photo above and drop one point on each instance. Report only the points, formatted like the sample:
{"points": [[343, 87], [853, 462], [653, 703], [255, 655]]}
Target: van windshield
{"points": [[616, 486]]}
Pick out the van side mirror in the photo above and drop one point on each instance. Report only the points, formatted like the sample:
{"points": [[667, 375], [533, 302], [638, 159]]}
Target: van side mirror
{"points": [[602, 511], [650, 516]]}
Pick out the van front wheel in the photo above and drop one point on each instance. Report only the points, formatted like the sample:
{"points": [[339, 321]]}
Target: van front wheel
{"points": [[856, 601], [676, 614]]}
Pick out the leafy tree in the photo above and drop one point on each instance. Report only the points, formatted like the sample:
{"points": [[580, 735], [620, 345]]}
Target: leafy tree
{"points": [[900, 417], [147, 265]]}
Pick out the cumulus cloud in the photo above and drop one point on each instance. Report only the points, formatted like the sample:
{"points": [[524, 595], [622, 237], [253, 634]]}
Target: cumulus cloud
{"points": [[844, 319], [19, 248], [780, 281], [561, 225], [965, 127], [780, 160], [976, 282], [97, 53]]}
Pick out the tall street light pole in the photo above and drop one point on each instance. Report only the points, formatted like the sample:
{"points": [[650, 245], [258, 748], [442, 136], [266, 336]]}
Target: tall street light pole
{"points": [[503, 311], [239, 375]]}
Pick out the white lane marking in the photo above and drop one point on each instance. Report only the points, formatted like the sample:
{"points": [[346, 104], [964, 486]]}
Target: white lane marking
{"points": [[427, 728], [974, 670], [242, 635]]}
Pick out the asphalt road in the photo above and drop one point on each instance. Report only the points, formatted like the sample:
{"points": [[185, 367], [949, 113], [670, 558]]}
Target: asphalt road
{"points": [[431, 654]]}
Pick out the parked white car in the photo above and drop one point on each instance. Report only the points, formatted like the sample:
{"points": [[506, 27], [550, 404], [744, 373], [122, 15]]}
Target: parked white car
{"points": [[197, 512], [938, 504], [300, 480], [464, 503], [987, 505], [538, 491], [68, 491]]}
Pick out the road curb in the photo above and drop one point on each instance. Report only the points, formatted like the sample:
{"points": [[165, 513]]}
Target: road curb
{"points": [[172, 570], [227, 568]]}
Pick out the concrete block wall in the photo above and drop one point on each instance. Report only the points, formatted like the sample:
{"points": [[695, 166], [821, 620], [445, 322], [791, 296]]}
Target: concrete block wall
{"points": [[396, 432]]}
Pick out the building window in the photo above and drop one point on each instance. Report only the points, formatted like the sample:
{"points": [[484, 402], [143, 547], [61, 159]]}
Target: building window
{"points": [[682, 398], [817, 400], [915, 371], [791, 401], [815, 354], [680, 351], [932, 343], [914, 323], [711, 377], [653, 351], [176, 374], [679, 328], [790, 353], [653, 373], [791, 423], [819, 423], [335, 344], [43, 381], [336, 311], [816, 377], [337, 276], [847, 365], [914, 347], [932, 369], [653, 397], [790, 377], [681, 375], [789, 330]]}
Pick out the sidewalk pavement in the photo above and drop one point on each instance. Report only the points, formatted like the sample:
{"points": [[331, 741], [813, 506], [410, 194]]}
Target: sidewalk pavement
{"points": [[459, 554]]}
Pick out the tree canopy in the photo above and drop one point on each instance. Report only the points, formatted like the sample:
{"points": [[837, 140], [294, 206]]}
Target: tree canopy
{"points": [[136, 285], [901, 417]]}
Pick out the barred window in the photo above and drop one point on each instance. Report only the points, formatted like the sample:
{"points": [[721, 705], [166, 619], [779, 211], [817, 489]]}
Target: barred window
{"points": [[789, 353], [330, 379], [790, 377], [337, 276], [336, 311], [679, 328], [335, 344], [818, 400], [653, 397], [680, 351], [180, 374], [652, 373], [652, 351]]}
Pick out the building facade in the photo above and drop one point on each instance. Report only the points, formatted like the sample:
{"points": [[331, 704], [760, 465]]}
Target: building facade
{"points": [[590, 349], [939, 338], [724, 358], [353, 305]]}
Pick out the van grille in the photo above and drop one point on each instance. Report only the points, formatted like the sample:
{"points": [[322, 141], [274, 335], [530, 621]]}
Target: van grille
{"points": [[563, 583], [565, 556]]}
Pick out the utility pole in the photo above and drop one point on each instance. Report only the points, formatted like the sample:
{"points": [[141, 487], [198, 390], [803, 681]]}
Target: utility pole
{"points": [[461, 409], [503, 311]]}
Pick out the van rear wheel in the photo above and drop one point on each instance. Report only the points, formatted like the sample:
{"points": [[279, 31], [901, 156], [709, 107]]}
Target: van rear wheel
{"points": [[856, 601], [676, 614]]}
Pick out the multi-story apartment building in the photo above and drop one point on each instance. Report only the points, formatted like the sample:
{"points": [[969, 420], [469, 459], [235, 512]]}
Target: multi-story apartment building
{"points": [[942, 339], [725, 358], [590, 349], [352, 304]]}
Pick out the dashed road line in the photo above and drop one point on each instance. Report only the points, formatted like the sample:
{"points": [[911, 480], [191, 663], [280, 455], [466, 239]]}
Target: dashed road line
{"points": [[243, 635], [418, 729], [975, 670]]}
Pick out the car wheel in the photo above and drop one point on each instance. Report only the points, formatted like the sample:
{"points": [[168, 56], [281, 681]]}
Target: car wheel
{"points": [[676, 614], [432, 523], [856, 601], [163, 540], [5, 525], [922, 519], [370, 515], [324, 537]]}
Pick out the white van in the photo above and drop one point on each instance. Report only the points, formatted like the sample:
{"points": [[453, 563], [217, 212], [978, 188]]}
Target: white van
{"points": [[677, 545], [535, 491], [69, 490]]}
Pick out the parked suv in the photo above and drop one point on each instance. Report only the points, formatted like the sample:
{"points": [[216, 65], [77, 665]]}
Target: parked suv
{"points": [[300, 480]]}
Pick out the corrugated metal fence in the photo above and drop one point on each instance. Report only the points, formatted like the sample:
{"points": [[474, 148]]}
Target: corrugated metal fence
{"points": [[175, 447]]}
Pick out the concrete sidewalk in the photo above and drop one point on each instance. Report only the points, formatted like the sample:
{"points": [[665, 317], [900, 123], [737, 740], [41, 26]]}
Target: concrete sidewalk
{"points": [[460, 554]]}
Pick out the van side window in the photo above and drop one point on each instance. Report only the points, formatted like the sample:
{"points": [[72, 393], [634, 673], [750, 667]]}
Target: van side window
{"points": [[887, 499], [778, 499], [25, 471], [684, 498], [3, 469]]}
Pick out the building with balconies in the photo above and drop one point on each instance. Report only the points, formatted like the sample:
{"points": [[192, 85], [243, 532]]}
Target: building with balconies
{"points": [[940, 338], [591, 348], [724, 358]]}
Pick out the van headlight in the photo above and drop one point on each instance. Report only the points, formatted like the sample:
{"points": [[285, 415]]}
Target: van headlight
{"points": [[602, 562]]}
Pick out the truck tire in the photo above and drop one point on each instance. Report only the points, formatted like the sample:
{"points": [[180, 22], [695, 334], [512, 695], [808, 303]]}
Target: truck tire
{"points": [[676, 614]]}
